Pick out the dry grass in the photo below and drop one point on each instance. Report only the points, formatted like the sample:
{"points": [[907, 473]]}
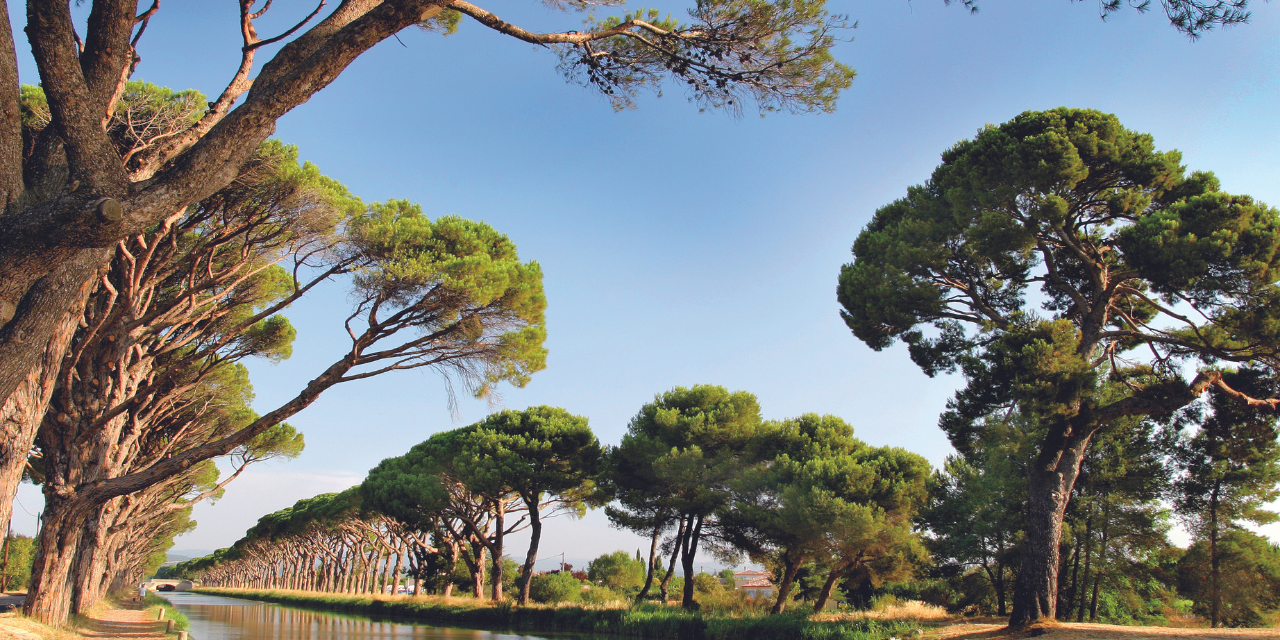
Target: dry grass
{"points": [[912, 610], [1090, 631], [15, 626]]}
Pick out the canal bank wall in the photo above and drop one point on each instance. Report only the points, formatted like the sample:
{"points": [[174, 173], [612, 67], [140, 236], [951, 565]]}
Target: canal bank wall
{"points": [[648, 621]]}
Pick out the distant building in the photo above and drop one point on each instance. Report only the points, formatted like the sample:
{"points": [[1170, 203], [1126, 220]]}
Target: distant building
{"points": [[742, 578], [755, 584]]}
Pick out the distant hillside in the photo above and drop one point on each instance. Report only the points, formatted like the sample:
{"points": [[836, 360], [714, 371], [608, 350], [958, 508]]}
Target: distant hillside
{"points": [[182, 555]]}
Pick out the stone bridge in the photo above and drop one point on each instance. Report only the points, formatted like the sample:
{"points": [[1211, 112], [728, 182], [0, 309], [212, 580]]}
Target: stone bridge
{"points": [[169, 585]]}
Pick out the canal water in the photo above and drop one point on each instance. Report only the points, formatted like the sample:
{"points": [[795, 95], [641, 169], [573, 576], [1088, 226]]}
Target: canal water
{"points": [[218, 618]]}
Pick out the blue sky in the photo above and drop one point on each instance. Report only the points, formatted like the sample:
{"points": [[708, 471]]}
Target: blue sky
{"points": [[682, 247]]}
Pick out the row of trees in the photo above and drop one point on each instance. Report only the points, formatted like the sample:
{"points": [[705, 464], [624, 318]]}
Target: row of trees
{"points": [[698, 470], [152, 389], [1076, 277]]}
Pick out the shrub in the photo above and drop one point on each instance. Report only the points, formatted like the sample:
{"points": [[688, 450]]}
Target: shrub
{"points": [[602, 595], [551, 588], [617, 571], [708, 584], [21, 554]]}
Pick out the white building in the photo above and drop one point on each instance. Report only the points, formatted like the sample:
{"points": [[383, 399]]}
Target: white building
{"points": [[755, 584]]}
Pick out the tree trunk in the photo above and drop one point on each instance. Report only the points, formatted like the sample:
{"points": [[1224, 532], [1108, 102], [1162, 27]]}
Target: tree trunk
{"points": [[827, 587], [675, 553], [995, 575], [999, 582], [1215, 586], [1051, 479], [1088, 564], [1075, 578], [38, 320], [1102, 562], [535, 535], [478, 577], [653, 553], [91, 559], [49, 597], [1000, 589], [23, 410], [455, 549], [495, 587], [789, 569], [687, 554]]}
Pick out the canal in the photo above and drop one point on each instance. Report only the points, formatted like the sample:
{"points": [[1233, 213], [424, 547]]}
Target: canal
{"points": [[218, 618]]}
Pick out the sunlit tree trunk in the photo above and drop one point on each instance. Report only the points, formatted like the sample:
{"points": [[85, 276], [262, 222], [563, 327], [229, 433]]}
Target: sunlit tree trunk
{"points": [[1035, 594], [24, 409]]}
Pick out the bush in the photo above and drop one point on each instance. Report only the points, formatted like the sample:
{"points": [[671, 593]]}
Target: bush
{"points": [[602, 595], [707, 584], [616, 570], [21, 554], [551, 588]]}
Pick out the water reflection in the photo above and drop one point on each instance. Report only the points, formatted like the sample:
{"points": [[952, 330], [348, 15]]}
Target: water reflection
{"points": [[217, 618]]}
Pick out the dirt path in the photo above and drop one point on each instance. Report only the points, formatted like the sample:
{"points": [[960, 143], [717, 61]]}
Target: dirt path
{"points": [[129, 623], [1086, 631], [118, 624]]}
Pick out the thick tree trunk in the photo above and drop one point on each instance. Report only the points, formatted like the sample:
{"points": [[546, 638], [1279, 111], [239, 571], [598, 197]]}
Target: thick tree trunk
{"points": [[49, 597], [455, 549], [38, 317], [1035, 594], [477, 575], [687, 553], [24, 408], [789, 569], [91, 559]]}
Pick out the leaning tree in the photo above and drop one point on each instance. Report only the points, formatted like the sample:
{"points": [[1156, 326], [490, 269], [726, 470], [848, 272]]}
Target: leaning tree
{"points": [[446, 294], [1047, 254], [73, 191]]}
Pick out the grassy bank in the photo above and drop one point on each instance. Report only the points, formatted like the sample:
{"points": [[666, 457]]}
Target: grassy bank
{"points": [[654, 622], [155, 603]]}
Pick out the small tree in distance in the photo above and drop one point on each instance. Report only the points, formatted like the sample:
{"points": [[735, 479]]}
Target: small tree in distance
{"points": [[484, 481], [694, 441], [1229, 471]]}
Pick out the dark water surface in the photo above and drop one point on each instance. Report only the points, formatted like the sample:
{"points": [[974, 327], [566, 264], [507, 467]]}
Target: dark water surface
{"points": [[218, 618]]}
